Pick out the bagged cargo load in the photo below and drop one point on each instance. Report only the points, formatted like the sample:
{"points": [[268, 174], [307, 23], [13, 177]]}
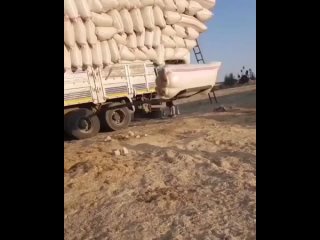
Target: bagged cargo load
{"points": [[124, 4], [137, 20], [141, 39], [180, 53], [105, 33], [151, 29], [140, 55], [108, 5], [80, 32], [91, 32], [150, 53], [106, 55], [190, 44], [97, 55], [67, 59], [178, 42], [132, 41], [145, 3], [160, 51], [120, 38], [158, 17], [181, 5], [204, 15], [126, 54], [70, 9], [115, 55], [83, 8], [187, 58], [95, 6], [193, 8], [136, 4], [169, 53], [172, 17], [127, 21], [102, 20], [148, 18], [181, 31], [117, 21], [188, 21], [148, 39], [76, 58], [69, 37], [156, 37], [86, 55], [160, 4], [192, 34], [169, 31], [170, 5], [208, 4], [168, 42]]}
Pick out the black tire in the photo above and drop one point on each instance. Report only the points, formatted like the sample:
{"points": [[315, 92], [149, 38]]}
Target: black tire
{"points": [[115, 119], [81, 123]]}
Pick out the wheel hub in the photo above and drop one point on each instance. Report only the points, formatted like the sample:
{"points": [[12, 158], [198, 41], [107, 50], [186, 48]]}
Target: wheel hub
{"points": [[84, 124], [118, 116]]}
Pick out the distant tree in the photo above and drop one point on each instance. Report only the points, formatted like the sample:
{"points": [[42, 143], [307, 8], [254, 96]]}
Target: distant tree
{"points": [[229, 80], [253, 76], [244, 79], [246, 75]]}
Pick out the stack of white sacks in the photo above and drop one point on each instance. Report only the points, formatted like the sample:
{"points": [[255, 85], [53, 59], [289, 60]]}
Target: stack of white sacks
{"points": [[98, 33]]}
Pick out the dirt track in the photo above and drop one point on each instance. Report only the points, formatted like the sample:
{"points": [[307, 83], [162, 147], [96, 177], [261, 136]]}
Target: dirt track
{"points": [[192, 177]]}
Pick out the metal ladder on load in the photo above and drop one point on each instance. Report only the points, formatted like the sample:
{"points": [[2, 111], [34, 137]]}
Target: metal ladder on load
{"points": [[198, 54], [199, 58]]}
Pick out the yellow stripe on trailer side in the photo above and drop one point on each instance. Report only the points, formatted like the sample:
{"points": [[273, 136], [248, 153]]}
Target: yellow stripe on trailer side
{"points": [[117, 95], [144, 91], [125, 94], [78, 101]]}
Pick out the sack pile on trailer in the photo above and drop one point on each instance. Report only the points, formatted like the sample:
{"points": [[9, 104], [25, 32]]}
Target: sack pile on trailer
{"points": [[99, 33]]}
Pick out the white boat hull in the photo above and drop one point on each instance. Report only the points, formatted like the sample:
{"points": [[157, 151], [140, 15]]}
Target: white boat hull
{"points": [[185, 80]]}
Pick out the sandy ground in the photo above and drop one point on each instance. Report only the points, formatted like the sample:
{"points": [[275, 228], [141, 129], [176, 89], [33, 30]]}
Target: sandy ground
{"points": [[192, 177]]}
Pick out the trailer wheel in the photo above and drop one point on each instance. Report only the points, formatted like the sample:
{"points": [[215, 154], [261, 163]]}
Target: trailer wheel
{"points": [[116, 119], [82, 123]]}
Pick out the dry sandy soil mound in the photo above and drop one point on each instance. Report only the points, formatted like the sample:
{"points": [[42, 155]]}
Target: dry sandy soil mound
{"points": [[192, 177]]}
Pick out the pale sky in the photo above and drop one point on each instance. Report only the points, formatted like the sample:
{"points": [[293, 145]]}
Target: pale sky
{"points": [[231, 36]]}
